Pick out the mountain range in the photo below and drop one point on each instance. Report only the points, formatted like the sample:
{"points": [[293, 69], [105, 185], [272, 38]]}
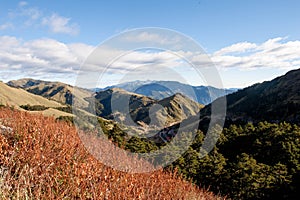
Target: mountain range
{"points": [[162, 89], [127, 107], [174, 108], [274, 101]]}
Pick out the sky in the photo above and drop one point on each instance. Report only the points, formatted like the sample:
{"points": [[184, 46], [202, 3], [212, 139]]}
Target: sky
{"points": [[247, 41]]}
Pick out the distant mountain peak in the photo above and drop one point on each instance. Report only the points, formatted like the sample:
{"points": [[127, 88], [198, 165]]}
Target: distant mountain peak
{"points": [[162, 89]]}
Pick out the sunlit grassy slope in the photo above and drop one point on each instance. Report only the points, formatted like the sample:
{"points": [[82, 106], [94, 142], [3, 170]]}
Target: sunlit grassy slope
{"points": [[56, 91], [17, 97]]}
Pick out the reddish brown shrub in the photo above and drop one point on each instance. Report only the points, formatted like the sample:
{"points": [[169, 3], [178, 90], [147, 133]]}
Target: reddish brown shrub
{"points": [[44, 159]]}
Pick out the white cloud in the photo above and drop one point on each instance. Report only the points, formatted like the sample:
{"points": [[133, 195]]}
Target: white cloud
{"points": [[121, 61], [81, 51], [51, 58], [236, 48], [274, 53], [22, 3], [26, 16], [6, 26], [60, 24], [43, 58], [146, 37], [136, 59]]}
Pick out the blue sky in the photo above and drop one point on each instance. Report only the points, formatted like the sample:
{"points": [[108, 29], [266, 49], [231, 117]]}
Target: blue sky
{"points": [[249, 41]]}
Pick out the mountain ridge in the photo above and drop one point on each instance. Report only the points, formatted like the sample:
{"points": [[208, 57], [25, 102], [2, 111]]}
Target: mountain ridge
{"points": [[276, 101], [58, 91], [18, 97], [162, 89], [112, 104]]}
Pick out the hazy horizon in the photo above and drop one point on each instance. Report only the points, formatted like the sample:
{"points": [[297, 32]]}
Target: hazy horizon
{"points": [[103, 87]]}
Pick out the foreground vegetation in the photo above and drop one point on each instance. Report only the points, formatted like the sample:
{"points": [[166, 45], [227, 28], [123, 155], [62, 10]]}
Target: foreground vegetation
{"points": [[42, 158]]}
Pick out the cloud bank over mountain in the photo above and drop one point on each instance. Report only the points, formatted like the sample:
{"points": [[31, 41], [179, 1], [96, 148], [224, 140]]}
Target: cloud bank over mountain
{"points": [[40, 57]]}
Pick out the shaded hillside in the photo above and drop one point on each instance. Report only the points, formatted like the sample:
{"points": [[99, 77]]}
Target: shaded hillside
{"points": [[182, 106], [163, 89], [129, 106], [154, 90], [57, 91], [274, 101]]}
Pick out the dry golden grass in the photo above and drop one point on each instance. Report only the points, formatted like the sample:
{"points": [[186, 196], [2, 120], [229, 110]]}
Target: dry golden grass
{"points": [[51, 112], [44, 159], [16, 97], [55, 90], [80, 93]]}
